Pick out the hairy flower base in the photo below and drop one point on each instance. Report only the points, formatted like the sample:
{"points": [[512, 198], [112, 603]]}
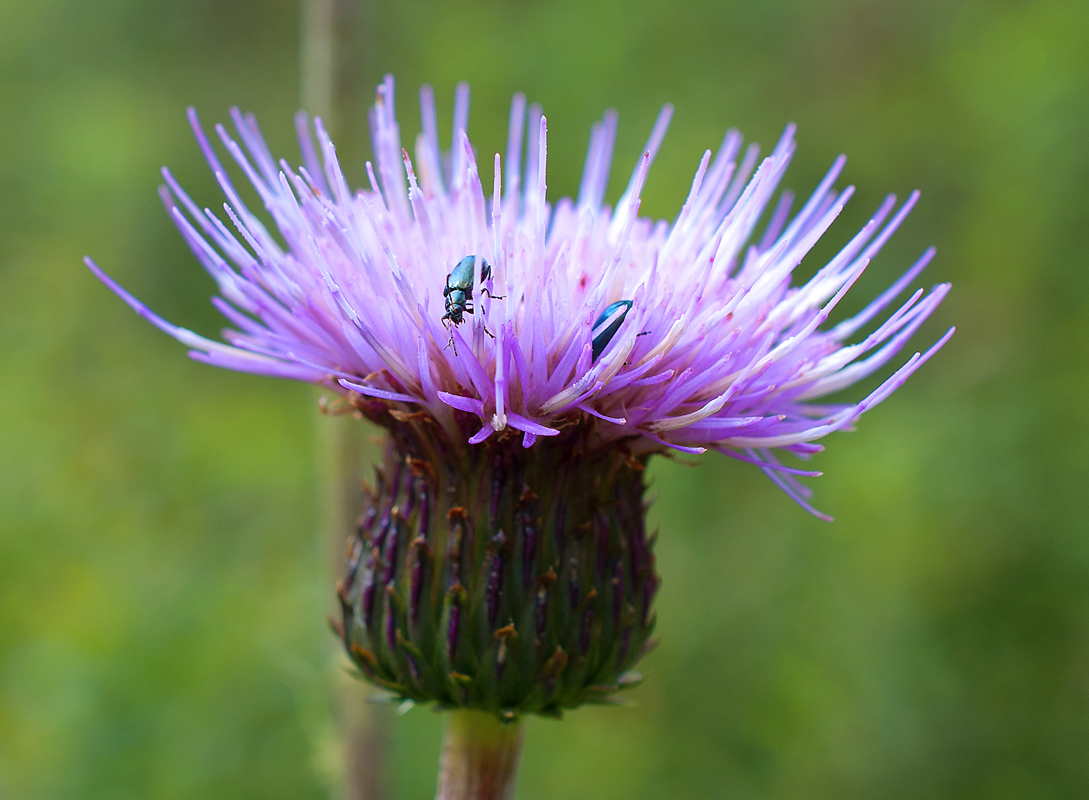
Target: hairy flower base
{"points": [[496, 577]]}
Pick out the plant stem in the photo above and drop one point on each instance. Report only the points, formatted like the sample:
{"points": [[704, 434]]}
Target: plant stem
{"points": [[336, 57], [330, 56], [479, 757]]}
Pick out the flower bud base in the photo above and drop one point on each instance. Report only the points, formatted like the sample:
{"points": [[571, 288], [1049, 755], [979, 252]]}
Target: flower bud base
{"points": [[500, 578]]}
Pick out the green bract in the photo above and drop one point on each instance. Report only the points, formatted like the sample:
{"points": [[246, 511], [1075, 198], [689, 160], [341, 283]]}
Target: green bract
{"points": [[496, 577]]}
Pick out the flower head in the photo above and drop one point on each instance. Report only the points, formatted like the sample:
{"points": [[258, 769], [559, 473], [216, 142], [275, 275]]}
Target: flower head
{"points": [[428, 293], [526, 360]]}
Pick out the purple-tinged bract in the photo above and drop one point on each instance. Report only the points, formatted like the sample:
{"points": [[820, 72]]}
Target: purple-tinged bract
{"points": [[714, 348]]}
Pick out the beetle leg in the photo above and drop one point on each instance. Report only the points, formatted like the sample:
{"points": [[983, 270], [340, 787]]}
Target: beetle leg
{"points": [[449, 330]]}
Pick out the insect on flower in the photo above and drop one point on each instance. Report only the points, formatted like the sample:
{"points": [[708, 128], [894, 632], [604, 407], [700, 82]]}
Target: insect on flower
{"points": [[603, 334], [458, 292]]}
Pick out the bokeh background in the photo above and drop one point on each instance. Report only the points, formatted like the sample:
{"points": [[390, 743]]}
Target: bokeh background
{"points": [[163, 580]]}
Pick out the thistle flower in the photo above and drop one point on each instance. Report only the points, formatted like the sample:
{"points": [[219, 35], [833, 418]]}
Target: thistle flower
{"points": [[526, 360]]}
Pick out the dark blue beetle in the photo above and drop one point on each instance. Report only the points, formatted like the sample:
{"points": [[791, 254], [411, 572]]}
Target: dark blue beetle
{"points": [[602, 336], [458, 292]]}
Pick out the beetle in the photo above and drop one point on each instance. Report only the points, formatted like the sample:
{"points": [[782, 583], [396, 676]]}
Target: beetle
{"points": [[603, 335], [458, 292]]}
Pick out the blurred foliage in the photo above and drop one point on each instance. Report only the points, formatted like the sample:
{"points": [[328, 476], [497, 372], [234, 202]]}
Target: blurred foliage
{"points": [[162, 589]]}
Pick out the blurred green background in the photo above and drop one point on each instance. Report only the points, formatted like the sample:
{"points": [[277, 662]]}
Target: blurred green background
{"points": [[162, 582]]}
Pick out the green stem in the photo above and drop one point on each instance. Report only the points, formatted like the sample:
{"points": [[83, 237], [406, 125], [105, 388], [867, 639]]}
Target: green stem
{"points": [[317, 56], [330, 45], [479, 757]]}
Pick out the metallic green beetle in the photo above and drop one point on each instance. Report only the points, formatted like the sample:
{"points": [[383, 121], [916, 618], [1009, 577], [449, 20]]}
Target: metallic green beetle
{"points": [[603, 335], [458, 292]]}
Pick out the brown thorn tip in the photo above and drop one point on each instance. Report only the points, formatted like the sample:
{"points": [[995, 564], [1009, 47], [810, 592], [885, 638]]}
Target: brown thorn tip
{"points": [[555, 664], [421, 468], [364, 654]]}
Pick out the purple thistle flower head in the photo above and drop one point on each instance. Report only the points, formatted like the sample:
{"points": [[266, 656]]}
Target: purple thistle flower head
{"points": [[430, 292], [526, 360]]}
